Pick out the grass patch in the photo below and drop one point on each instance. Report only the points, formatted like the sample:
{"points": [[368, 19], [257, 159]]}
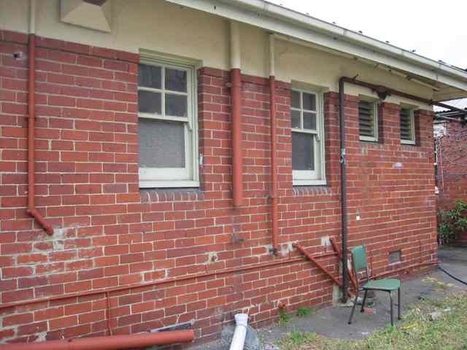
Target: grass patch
{"points": [[296, 339], [415, 332], [303, 311], [284, 317]]}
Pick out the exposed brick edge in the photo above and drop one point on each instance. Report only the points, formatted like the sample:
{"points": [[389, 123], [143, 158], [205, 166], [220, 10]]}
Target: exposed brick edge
{"points": [[15, 37], [95, 51], [313, 190]]}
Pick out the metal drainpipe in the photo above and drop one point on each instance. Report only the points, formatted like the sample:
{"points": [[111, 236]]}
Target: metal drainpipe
{"points": [[385, 91], [236, 97], [272, 103], [343, 190], [31, 210]]}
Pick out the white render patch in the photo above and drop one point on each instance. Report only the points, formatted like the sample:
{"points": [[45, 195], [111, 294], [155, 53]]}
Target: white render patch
{"points": [[325, 241], [87, 15], [398, 165], [439, 130]]}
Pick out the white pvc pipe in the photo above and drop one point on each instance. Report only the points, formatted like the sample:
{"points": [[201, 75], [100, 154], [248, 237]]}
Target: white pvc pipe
{"points": [[238, 340]]}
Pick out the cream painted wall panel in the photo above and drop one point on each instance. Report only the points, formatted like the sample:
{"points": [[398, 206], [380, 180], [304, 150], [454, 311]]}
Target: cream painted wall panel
{"points": [[167, 28], [149, 24], [308, 65], [255, 51], [14, 15]]}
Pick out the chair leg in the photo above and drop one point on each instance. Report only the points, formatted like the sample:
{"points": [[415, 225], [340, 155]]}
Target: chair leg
{"points": [[364, 300], [392, 309], [399, 304], [353, 307]]}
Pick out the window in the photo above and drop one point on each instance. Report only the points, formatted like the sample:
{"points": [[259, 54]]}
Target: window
{"points": [[368, 120], [167, 126], [407, 126], [307, 138]]}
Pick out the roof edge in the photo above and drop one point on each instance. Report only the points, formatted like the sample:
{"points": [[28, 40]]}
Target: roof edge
{"points": [[294, 24]]}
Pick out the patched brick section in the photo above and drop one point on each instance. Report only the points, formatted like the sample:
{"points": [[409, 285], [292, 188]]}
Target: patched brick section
{"points": [[452, 165], [109, 233]]}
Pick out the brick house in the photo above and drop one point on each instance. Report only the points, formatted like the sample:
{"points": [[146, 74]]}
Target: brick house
{"points": [[451, 161], [146, 181]]}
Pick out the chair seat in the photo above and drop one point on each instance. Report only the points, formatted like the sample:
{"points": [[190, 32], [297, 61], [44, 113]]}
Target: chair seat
{"points": [[386, 284]]}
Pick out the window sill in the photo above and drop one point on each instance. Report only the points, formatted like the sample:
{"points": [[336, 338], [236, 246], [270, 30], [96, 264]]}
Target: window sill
{"points": [[368, 139], [175, 184], [408, 143], [299, 183]]}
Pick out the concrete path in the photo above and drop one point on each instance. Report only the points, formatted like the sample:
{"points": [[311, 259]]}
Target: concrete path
{"points": [[332, 321]]}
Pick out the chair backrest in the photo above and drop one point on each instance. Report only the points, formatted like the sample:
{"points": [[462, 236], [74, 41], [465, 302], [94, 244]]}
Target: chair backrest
{"points": [[359, 259]]}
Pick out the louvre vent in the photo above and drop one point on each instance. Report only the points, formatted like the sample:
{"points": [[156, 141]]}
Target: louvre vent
{"points": [[366, 119], [406, 125]]}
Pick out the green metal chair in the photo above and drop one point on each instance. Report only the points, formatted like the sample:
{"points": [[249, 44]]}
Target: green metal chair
{"points": [[359, 264]]}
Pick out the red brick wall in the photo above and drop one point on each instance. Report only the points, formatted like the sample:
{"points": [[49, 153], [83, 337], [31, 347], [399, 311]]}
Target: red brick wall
{"points": [[452, 166], [109, 233], [391, 189]]}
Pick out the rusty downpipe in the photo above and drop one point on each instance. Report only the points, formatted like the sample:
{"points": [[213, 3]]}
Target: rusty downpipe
{"points": [[110, 342], [236, 98], [323, 268], [31, 210], [272, 103]]}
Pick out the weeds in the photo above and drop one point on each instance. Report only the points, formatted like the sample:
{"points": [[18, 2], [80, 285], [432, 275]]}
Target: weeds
{"points": [[303, 311], [417, 331], [284, 317]]}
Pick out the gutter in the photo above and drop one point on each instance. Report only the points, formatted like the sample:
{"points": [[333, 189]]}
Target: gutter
{"points": [[277, 19], [280, 12]]}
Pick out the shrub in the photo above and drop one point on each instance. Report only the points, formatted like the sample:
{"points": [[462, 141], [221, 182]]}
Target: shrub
{"points": [[452, 222]]}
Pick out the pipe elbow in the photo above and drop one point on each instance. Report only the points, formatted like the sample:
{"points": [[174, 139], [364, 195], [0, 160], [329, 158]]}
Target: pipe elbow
{"points": [[40, 219]]}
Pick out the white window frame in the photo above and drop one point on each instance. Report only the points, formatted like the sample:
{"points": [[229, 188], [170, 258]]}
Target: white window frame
{"points": [[413, 140], [174, 177], [317, 176], [375, 120]]}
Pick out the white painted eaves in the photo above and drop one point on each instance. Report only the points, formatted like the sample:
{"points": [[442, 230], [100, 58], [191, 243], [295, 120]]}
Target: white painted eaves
{"points": [[278, 19]]}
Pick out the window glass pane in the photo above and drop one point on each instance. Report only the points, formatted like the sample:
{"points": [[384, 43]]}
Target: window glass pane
{"points": [[149, 76], [302, 151], [161, 144], [149, 102], [176, 105], [175, 80], [296, 119], [309, 101], [296, 99], [309, 120]]}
